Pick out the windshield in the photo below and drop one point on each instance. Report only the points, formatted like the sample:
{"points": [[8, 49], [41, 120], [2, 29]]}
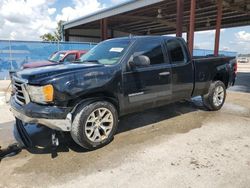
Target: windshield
{"points": [[57, 56], [107, 53]]}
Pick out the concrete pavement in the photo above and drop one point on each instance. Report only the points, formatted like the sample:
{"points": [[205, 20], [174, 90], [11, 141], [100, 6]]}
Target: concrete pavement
{"points": [[180, 145]]}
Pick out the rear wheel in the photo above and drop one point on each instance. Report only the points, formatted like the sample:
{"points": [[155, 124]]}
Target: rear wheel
{"points": [[94, 125], [215, 97]]}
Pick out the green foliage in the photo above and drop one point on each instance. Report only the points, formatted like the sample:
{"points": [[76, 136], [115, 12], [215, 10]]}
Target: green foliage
{"points": [[48, 37], [55, 36]]}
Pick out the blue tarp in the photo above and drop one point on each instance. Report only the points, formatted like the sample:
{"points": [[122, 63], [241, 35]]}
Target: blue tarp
{"points": [[13, 54]]}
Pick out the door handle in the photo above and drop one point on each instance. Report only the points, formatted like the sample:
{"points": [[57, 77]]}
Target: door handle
{"points": [[164, 73]]}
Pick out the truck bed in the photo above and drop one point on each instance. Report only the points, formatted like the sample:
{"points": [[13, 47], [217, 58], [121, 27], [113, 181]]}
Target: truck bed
{"points": [[206, 69]]}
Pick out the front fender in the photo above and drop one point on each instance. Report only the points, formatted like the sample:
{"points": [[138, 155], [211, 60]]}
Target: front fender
{"points": [[87, 101]]}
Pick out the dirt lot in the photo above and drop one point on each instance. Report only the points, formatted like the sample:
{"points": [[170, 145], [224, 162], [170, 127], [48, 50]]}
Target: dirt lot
{"points": [[180, 145]]}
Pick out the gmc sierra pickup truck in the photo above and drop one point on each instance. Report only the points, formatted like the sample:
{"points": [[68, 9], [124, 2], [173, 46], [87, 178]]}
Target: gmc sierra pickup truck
{"points": [[117, 77]]}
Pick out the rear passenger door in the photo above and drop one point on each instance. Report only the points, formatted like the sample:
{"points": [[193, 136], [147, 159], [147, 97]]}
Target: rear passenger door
{"points": [[182, 69], [147, 86]]}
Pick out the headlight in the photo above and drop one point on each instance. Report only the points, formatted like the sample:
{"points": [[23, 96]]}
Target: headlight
{"points": [[41, 94]]}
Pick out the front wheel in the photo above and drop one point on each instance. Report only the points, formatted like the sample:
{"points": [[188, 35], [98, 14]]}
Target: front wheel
{"points": [[94, 125], [215, 97]]}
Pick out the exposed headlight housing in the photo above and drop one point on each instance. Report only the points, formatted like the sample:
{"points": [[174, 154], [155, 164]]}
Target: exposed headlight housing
{"points": [[41, 94]]}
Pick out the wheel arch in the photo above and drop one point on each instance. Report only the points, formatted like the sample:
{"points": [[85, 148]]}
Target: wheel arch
{"points": [[223, 77], [88, 99]]}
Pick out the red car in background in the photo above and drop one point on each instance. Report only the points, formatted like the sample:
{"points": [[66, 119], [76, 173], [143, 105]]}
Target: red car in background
{"points": [[57, 57]]}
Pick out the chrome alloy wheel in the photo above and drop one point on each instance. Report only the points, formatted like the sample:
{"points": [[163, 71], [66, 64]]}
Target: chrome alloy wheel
{"points": [[218, 96], [99, 124]]}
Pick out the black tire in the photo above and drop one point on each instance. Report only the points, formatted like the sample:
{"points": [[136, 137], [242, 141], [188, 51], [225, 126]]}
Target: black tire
{"points": [[208, 101], [82, 114]]}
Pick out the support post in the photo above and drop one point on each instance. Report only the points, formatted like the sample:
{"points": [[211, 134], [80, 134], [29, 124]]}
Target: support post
{"points": [[101, 29], [104, 29], [66, 38], [187, 35], [179, 17], [191, 26], [218, 27], [112, 33]]}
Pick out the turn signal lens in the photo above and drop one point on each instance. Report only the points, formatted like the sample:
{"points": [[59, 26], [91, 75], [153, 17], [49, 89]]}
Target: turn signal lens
{"points": [[41, 94], [48, 92]]}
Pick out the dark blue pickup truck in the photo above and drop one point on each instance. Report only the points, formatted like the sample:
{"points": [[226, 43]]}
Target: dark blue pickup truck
{"points": [[117, 77]]}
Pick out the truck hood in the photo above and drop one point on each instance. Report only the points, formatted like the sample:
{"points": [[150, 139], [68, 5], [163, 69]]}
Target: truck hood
{"points": [[37, 75]]}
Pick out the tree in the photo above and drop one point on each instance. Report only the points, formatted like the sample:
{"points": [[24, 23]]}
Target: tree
{"points": [[56, 35], [48, 37]]}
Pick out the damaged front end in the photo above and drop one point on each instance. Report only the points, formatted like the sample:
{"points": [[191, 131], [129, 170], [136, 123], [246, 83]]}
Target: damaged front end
{"points": [[54, 117]]}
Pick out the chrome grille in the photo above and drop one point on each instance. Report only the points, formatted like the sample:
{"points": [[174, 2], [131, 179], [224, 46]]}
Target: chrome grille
{"points": [[19, 90]]}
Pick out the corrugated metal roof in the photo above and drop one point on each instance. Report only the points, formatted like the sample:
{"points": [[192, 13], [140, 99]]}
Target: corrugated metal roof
{"points": [[140, 17]]}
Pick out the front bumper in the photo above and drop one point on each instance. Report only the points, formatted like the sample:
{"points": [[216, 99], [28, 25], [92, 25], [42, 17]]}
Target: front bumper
{"points": [[21, 135], [53, 117]]}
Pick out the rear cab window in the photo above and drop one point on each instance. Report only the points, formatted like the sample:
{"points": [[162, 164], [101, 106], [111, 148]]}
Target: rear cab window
{"points": [[70, 58]]}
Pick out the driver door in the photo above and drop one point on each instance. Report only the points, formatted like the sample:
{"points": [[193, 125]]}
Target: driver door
{"points": [[145, 87]]}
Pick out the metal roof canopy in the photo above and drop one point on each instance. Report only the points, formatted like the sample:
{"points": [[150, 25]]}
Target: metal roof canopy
{"points": [[137, 17]]}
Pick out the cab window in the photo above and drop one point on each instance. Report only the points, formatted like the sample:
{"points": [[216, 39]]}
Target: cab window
{"points": [[176, 52], [152, 49]]}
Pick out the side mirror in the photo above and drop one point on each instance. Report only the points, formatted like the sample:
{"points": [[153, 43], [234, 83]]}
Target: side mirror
{"points": [[140, 61]]}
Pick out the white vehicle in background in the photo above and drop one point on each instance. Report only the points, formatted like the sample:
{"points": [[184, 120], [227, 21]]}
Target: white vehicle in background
{"points": [[243, 60]]}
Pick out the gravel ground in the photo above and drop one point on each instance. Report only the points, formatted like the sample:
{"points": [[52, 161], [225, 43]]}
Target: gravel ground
{"points": [[180, 145]]}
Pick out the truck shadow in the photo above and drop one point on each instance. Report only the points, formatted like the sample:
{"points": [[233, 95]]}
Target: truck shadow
{"points": [[41, 136], [145, 118]]}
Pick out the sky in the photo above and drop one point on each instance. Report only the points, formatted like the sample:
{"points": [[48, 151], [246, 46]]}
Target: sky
{"points": [[29, 19]]}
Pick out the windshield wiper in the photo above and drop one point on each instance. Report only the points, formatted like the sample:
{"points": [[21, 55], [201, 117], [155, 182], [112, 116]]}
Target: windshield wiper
{"points": [[91, 61], [52, 61]]}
